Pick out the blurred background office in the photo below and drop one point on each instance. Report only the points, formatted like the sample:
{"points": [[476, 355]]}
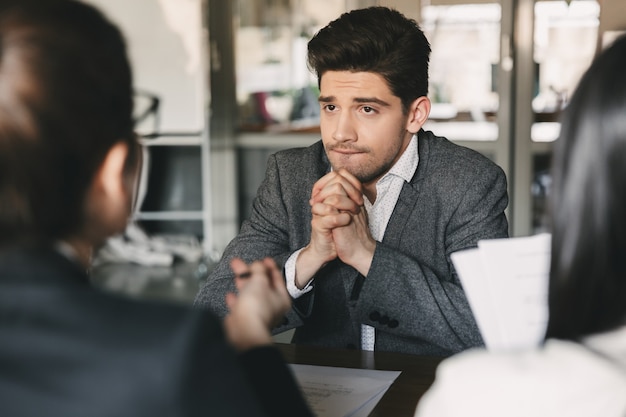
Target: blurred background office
{"points": [[222, 84]]}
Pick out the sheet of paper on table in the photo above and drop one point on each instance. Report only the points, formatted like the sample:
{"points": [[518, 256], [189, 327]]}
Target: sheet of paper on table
{"points": [[506, 282], [342, 392]]}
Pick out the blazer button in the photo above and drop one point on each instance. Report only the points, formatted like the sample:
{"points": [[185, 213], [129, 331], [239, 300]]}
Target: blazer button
{"points": [[374, 316], [384, 320], [393, 323]]}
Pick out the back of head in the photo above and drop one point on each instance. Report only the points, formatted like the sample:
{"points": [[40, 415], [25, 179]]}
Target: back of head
{"points": [[378, 40], [65, 100], [588, 269]]}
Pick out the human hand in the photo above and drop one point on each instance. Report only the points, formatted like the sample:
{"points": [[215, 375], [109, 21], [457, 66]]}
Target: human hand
{"points": [[353, 241], [261, 302], [339, 183], [334, 199]]}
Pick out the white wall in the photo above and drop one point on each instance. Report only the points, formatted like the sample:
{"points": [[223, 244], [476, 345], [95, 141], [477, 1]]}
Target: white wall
{"points": [[164, 42]]}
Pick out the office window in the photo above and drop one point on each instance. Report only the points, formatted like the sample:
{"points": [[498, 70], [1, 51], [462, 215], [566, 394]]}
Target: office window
{"points": [[465, 41], [275, 90], [565, 42]]}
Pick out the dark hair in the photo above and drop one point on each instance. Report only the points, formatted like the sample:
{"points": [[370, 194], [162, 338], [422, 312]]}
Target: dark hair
{"points": [[588, 268], [378, 40], [65, 100]]}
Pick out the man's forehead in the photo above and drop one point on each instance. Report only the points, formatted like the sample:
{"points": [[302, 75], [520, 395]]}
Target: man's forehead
{"points": [[356, 86]]}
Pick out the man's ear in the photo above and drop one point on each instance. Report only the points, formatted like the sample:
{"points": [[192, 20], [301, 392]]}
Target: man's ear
{"points": [[418, 114]]}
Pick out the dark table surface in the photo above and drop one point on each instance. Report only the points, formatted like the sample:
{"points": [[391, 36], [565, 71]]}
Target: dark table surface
{"points": [[418, 372]]}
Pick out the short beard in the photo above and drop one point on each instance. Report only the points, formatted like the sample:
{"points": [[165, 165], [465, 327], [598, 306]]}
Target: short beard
{"points": [[368, 177]]}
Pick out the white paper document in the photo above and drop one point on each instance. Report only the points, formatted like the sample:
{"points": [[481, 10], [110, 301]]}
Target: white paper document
{"points": [[506, 282], [342, 392]]}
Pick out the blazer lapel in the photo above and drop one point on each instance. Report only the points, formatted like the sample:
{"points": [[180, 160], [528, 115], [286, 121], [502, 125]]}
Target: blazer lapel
{"points": [[409, 196]]}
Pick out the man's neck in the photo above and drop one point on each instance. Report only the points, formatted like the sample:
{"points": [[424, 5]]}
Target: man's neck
{"points": [[369, 191]]}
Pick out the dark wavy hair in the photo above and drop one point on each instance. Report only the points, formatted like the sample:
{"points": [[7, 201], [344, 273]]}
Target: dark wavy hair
{"points": [[65, 100], [587, 292], [378, 40]]}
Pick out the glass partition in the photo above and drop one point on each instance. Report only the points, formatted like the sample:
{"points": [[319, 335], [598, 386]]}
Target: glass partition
{"points": [[565, 42], [465, 41], [500, 73], [275, 90]]}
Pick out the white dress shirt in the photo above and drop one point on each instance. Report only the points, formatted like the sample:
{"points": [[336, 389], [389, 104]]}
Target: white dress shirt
{"points": [[388, 190]]}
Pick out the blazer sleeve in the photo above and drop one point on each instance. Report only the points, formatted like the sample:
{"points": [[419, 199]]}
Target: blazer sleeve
{"points": [[218, 381], [415, 294], [274, 229]]}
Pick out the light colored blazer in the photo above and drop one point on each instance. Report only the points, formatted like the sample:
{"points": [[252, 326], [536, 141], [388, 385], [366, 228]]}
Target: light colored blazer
{"points": [[411, 295], [562, 378]]}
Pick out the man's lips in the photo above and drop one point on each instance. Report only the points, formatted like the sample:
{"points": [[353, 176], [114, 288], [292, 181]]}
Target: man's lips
{"points": [[346, 151]]}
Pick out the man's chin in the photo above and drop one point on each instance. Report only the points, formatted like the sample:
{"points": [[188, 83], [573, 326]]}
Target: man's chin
{"points": [[359, 174]]}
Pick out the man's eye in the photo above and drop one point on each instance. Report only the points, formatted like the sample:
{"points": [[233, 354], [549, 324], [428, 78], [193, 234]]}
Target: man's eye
{"points": [[330, 107], [368, 109]]}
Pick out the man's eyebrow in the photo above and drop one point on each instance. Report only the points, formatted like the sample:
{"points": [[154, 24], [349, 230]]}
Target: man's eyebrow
{"points": [[329, 99], [371, 100]]}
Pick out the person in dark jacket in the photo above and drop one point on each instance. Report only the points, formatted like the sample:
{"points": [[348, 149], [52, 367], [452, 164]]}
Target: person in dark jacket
{"points": [[68, 163]]}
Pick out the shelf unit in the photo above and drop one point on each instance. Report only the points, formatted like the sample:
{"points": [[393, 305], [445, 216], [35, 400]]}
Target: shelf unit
{"points": [[168, 48], [197, 142]]}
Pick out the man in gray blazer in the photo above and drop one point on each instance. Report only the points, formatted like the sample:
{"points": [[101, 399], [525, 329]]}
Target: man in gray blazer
{"points": [[364, 221]]}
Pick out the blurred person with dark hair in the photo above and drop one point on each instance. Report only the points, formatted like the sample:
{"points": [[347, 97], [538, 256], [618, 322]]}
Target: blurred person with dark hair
{"points": [[68, 164], [581, 368], [365, 220]]}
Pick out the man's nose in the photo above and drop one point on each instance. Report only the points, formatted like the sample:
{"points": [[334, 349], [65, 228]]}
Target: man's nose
{"points": [[344, 128]]}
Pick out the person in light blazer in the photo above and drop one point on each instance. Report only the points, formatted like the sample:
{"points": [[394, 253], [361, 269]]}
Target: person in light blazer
{"points": [[365, 220], [580, 370], [68, 163]]}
